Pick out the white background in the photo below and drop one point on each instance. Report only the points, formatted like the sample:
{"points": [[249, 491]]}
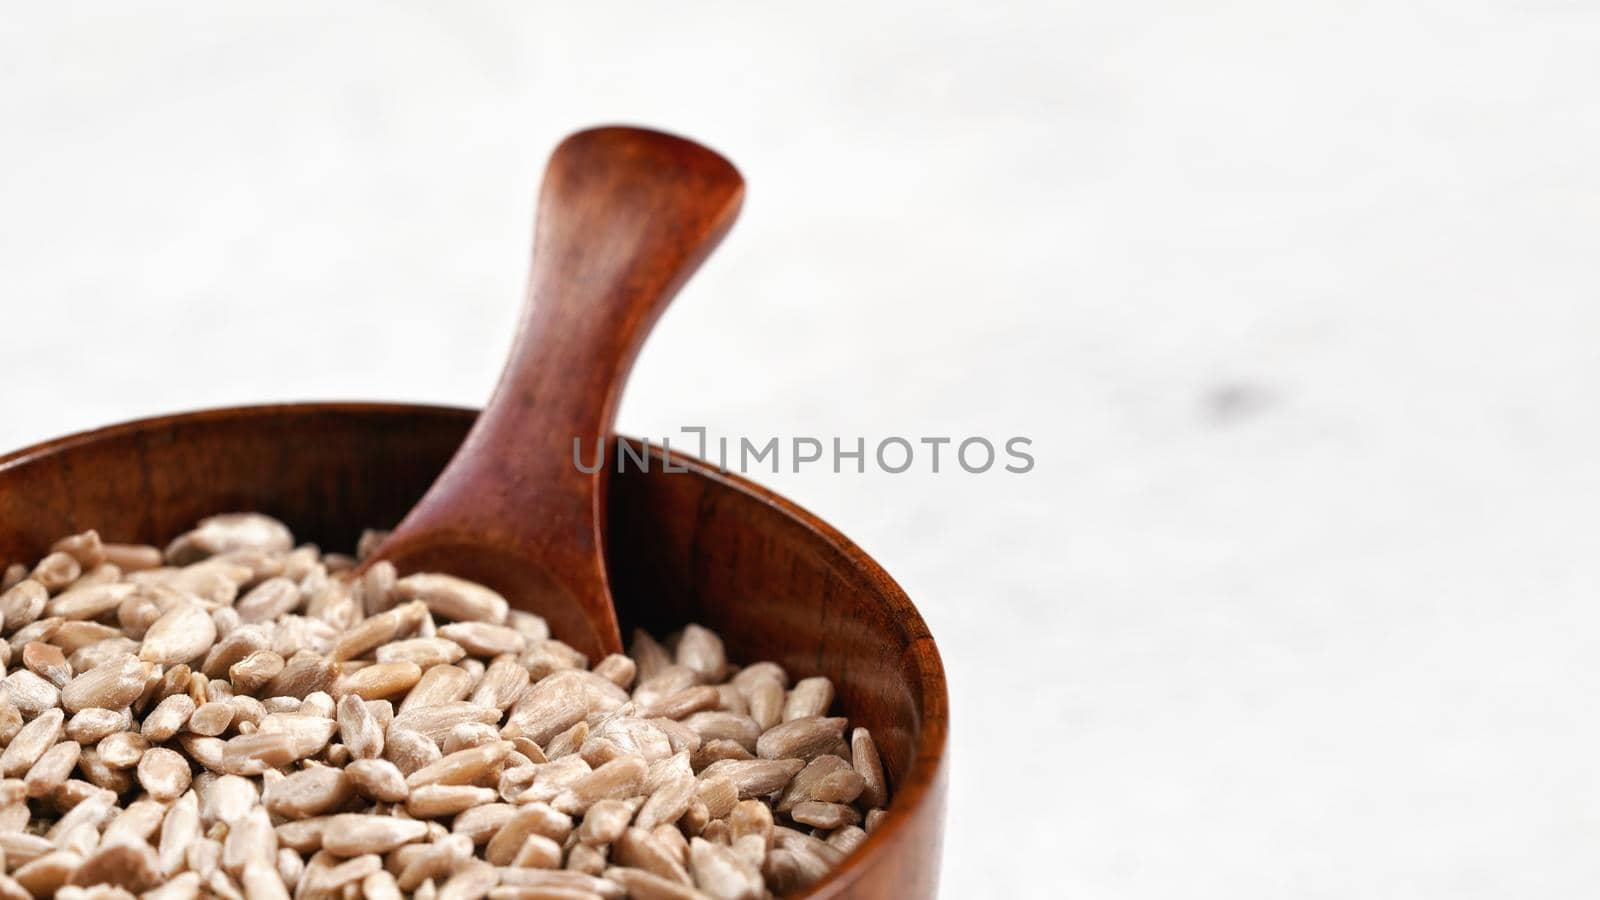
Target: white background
{"points": [[1297, 301]]}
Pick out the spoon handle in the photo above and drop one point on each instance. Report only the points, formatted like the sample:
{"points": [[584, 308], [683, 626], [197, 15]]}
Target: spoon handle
{"points": [[625, 216]]}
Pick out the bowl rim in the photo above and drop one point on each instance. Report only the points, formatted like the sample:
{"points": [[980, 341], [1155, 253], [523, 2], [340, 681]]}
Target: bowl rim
{"points": [[919, 785]]}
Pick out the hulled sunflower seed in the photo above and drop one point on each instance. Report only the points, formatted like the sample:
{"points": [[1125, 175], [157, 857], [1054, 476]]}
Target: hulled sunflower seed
{"points": [[454, 598], [183, 633], [354, 834]]}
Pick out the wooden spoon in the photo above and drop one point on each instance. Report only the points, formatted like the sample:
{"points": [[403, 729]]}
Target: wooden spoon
{"points": [[625, 217]]}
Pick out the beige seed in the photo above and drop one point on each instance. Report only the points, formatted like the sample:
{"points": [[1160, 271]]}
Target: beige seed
{"points": [[436, 800], [502, 683], [567, 742], [473, 734], [56, 571], [235, 646], [139, 821], [481, 822], [470, 882], [718, 750], [255, 671], [721, 874], [554, 884], [714, 725], [462, 767], [824, 815], [621, 777], [30, 743], [52, 769], [164, 773], [268, 601], [42, 630], [136, 614], [179, 829], [317, 703], [765, 699], [378, 779], [437, 860], [249, 754], [648, 654], [537, 819], [359, 729], [755, 777], [30, 694], [354, 834], [436, 721], [847, 839], [84, 546], [227, 532], [873, 819], [587, 859], [47, 661], [644, 885], [537, 852], [439, 684], [212, 718], [701, 650], [617, 669], [377, 587], [454, 598], [131, 557], [378, 630], [261, 881], [380, 681], [380, 886], [88, 644], [117, 780], [183, 633], [127, 864], [801, 738], [122, 750], [422, 652], [827, 778], [90, 601], [682, 703], [409, 750], [484, 639], [548, 708], [810, 697], [308, 792], [605, 821], [251, 839], [667, 802], [22, 603], [304, 835], [640, 849], [168, 717], [306, 672], [864, 758], [185, 886]]}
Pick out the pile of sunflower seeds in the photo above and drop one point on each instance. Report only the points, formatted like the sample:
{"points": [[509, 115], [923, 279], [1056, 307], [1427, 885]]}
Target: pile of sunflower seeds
{"points": [[241, 718]]}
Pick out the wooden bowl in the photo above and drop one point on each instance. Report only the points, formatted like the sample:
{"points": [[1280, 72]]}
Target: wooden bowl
{"points": [[698, 546]]}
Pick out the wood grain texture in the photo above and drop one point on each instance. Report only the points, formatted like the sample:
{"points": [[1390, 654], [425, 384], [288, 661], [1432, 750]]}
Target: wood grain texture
{"points": [[625, 216], [699, 546]]}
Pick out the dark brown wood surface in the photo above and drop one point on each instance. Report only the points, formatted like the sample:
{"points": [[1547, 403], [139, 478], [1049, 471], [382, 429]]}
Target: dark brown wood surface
{"points": [[699, 546], [625, 217]]}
